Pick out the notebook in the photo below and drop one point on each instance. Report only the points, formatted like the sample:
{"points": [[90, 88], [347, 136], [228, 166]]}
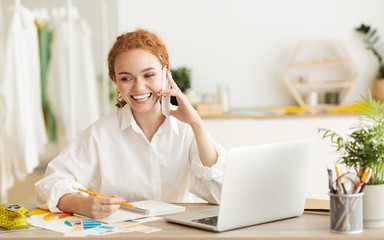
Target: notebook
{"points": [[262, 183], [156, 208]]}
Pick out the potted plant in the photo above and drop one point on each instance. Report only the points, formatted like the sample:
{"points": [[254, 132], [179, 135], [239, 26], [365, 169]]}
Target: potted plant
{"points": [[372, 41], [364, 148], [182, 77]]}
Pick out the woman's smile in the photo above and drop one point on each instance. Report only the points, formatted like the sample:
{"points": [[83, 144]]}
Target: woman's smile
{"points": [[141, 98]]}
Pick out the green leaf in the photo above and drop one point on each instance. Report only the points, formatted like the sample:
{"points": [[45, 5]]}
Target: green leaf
{"points": [[364, 146], [182, 77], [371, 39]]}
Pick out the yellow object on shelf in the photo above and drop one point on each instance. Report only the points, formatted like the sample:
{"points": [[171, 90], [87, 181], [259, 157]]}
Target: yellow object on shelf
{"points": [[345, 109], [288, 109]]}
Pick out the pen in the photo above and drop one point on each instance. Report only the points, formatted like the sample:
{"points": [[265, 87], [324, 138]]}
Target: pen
{"points": [[128, 205], [330, 180], [342, 185], [365, 179], [356, 185]]}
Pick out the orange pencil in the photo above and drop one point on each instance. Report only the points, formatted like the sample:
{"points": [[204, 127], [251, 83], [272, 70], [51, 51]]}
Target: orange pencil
{"points": [[360, 172], [365, 175], [337, 171], [130, 206]]}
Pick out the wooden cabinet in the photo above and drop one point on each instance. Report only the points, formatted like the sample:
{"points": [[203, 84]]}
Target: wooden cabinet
{"points": [[321, 68]]}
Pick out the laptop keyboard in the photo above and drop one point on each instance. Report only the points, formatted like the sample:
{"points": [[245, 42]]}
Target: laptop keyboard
{"points": [[208, 220]]}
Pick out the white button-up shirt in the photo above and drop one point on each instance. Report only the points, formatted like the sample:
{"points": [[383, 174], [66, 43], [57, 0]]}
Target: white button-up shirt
{"points": [[113, 156]]}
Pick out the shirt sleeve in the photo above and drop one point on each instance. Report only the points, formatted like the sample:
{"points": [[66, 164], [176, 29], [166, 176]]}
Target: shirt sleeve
{"points": [[206, 182], [71, 169]]}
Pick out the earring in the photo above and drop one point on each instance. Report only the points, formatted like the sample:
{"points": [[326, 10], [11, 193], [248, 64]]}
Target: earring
{"points": [[119, 99]]}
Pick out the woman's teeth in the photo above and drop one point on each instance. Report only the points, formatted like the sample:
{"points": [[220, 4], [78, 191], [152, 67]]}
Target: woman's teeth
{"points": [[141, 97]]}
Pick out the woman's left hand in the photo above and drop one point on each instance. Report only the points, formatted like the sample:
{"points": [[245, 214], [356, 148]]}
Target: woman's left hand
{"points": [[185, 111]]}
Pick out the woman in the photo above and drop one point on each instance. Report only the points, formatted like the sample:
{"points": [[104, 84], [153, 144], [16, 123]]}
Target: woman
{"points": [[136, 153]]}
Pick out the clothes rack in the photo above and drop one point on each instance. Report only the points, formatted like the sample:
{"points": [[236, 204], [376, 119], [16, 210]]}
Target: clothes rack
{"points": [[69, 4]]}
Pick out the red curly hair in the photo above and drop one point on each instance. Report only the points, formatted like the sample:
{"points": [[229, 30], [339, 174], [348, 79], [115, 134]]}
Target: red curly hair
{"points": [[138, 39]]}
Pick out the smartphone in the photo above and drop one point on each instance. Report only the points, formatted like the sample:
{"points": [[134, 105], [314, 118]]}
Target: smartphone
{"points": [[165, 101]]}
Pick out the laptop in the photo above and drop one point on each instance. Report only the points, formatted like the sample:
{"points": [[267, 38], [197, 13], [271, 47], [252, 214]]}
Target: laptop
{"points": [[262, 183]]}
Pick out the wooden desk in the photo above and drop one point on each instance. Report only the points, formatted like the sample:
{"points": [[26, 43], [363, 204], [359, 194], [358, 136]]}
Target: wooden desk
{"points": [[304, 227]]}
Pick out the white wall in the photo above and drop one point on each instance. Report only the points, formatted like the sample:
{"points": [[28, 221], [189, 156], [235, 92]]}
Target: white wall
{"points": [[248, 43], [243, 43]]}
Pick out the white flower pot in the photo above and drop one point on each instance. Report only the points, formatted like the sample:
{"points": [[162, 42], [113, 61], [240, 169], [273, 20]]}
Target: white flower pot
{"points": [[373, 206]]}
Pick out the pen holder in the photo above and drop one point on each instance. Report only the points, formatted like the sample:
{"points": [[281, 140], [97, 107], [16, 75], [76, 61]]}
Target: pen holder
{"points": [[346, 212]]}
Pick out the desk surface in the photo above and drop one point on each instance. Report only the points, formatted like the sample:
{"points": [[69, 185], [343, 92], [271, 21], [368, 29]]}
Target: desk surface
{"points": [[306, 226]]}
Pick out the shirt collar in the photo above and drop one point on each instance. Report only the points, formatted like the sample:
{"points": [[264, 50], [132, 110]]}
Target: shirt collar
{"points": [[127, 120], [170, 123], [126, 117]]}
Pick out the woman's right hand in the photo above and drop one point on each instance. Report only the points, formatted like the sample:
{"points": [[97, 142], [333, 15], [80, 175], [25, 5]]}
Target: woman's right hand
{"points": [[100, 207], [95, 207]]}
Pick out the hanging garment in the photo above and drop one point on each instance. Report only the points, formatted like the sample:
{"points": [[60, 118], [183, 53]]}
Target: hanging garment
{"points": [[1, 42], [45, 36], [21, 88], [6, 175], [72, 85], [7, 157], [6, 154]]}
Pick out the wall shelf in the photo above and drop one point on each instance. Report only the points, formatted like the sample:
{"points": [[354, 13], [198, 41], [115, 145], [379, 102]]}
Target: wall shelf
{"points": [[339, 84], [320, 63], [324, 60]]}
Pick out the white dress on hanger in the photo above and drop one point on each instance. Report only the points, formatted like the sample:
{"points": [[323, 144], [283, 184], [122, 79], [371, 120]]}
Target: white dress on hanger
{"points": [[6, 154], [7, 157], [83, 80], [1, 41], [21, 88], [6, 175]]}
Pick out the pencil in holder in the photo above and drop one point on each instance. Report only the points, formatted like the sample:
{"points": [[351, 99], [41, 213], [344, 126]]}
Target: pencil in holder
{"points": [[346, 212]]}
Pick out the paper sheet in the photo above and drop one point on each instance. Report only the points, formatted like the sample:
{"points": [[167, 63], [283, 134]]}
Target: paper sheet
{"points": [[72, 225]]}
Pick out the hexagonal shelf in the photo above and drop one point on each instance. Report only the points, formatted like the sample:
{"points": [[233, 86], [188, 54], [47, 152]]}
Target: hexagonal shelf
{"points": [[322, 69]]}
